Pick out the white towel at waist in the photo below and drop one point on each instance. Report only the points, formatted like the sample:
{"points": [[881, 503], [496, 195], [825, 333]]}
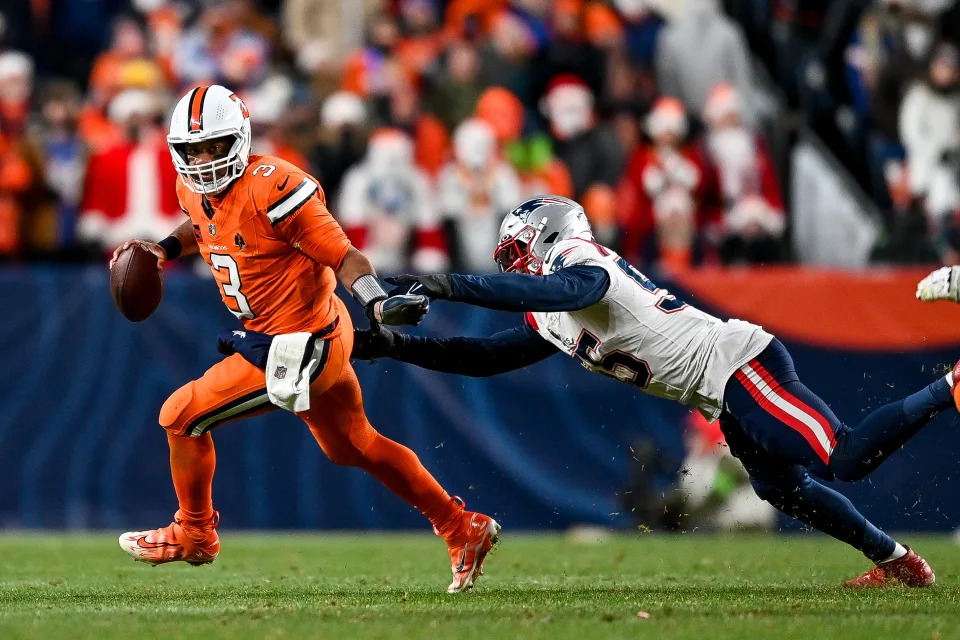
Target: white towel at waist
{"points": [[291, 363]]}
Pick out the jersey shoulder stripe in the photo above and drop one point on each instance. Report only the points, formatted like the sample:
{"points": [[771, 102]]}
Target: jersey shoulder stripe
{"points": [[291, 202], [575, 251]]}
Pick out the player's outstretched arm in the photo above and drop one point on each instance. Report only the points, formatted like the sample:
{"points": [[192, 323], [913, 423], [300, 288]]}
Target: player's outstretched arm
{"points": [[942, 284], [478, 357], [182, 242], [569, 289], [358, 276]]}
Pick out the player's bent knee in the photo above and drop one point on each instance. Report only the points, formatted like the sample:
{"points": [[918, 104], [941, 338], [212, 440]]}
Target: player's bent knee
{"points": [[173, 413], [846, 471], [345, 456]]}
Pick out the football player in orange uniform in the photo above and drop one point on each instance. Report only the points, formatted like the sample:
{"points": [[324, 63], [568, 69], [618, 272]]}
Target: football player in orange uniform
{"points": [[276, 252]]}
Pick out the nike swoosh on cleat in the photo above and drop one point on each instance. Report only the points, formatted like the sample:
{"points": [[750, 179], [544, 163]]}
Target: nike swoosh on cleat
{"points": [[143, 544], [283, 185], [463, 561]]}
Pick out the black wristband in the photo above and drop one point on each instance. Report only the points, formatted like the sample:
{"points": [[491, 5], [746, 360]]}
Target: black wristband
{"points": [[172, 247]]}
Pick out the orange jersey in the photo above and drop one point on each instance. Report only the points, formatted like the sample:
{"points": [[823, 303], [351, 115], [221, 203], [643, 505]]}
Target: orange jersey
{"points": [[272, 245]]}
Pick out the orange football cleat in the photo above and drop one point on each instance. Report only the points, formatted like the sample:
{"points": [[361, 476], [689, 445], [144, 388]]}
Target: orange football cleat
{"points": [[468, 546], [911, 570], [172, 544]]}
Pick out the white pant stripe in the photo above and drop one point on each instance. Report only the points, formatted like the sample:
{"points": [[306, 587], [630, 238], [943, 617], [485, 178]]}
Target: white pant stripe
{"points": [[801, 416], [253, 403]]}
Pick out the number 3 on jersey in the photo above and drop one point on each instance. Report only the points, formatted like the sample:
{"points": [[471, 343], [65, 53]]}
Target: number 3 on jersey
{"points": [[227, 266]]}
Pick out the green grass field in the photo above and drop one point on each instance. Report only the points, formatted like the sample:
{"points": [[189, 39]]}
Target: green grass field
{"points": [[392, 586]]}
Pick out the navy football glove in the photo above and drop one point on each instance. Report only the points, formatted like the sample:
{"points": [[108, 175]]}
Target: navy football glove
{"points": [[435, 286], [252, 345], [370, 344], [400, 309]]}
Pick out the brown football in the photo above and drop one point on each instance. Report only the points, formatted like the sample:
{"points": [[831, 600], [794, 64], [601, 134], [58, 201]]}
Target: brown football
{"points": [[136, 283]]}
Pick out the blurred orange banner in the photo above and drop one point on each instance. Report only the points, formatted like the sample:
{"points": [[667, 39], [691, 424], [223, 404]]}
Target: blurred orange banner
{"points": [[873, 310]]}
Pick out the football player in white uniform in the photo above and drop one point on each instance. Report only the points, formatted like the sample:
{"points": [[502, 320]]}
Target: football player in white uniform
{"points": [[584, 300]]}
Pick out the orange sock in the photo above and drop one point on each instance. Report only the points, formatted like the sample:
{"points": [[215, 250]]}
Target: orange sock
{"points": [[401, 471], [192, 463]]}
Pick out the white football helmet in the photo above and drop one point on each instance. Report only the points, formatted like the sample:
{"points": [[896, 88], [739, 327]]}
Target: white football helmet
{"points": [[532, 229], [206, 113]]}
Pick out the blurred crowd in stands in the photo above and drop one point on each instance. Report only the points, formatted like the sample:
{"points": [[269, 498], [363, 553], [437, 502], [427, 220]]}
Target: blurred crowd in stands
{"points": [[427, 120], [879, 81]]}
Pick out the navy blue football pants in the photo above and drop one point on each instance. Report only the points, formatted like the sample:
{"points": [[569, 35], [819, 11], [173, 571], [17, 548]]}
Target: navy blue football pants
{"points": [[784, 434]]}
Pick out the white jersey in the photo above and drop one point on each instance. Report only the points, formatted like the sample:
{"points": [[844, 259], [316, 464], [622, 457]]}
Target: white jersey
{"points": [[642, 335]]}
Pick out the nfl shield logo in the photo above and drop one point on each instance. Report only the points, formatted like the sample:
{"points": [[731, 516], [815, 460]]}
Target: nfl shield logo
{"points": [[212, 228], [280, 373]]}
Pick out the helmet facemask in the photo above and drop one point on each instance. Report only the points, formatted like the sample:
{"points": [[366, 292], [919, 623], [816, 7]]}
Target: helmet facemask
{"points": [[211, 177], [514, 253]]}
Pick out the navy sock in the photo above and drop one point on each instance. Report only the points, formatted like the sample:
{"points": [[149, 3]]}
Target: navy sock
{"points": [[828, 511], [936, 396]]}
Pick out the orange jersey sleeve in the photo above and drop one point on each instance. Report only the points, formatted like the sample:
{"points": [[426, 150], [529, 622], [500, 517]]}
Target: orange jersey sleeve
{"points": [[296, 207]]}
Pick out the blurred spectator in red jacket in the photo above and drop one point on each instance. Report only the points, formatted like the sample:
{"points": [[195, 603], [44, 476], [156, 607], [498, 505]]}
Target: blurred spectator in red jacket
{"points": [[129, 190], [591, 151], [476, 190], [753, 207], [666, 183], [386, 205]]}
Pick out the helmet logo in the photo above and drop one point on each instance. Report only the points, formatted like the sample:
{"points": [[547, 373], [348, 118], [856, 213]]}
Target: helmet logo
{"points": [[240, 103]]}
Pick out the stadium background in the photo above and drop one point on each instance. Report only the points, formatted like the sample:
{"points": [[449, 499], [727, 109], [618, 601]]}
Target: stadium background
{"points": [[627, 105]]}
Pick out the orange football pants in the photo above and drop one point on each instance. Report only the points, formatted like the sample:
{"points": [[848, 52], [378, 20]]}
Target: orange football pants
{"points": [[233, 388]]}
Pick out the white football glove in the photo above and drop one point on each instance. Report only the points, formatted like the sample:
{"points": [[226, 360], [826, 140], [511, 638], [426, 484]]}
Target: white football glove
{"points": [[942, 284]]}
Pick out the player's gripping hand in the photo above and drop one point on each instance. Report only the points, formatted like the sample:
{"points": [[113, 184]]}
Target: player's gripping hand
{"points": [[370, 344], [252, 345], [942, 284], [435, 286], [152, 247], [399, 310]]}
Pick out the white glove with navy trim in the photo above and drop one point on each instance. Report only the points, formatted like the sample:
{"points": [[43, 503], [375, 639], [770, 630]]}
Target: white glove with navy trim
{"points": [[942, 284]]}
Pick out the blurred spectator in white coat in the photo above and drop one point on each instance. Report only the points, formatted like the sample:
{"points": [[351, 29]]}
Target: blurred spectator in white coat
{"points": [[930, 118], [475, 190], [386, 207]]}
